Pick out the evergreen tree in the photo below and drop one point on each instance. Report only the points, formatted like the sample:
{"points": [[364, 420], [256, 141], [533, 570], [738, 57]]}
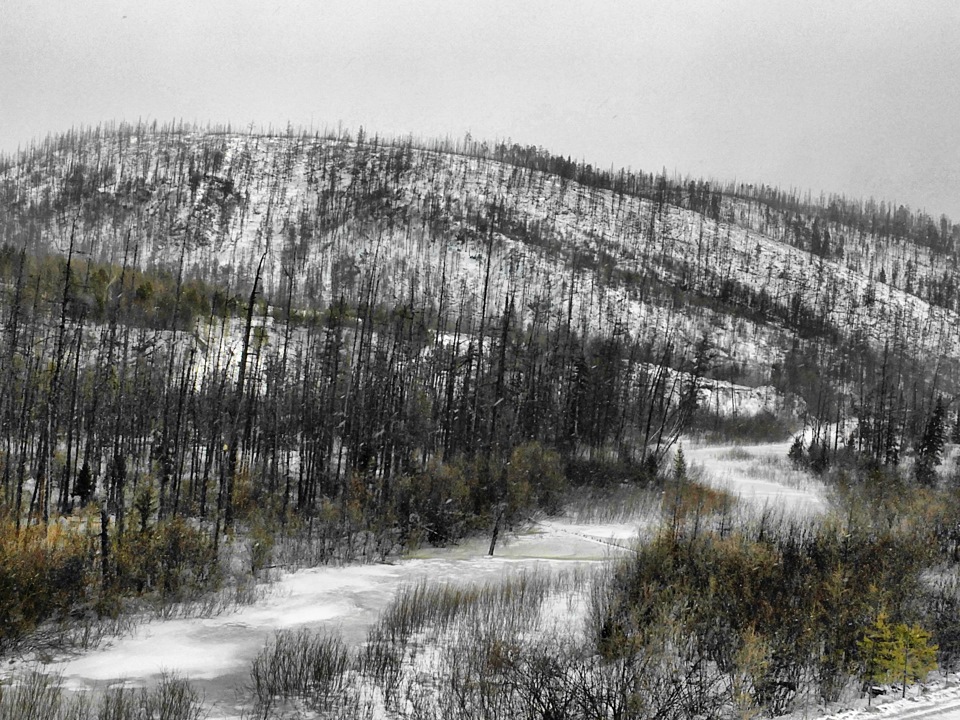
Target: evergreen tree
{"points": [[795, 454], [679, 482], [679, 466], [878, 651], [930, 447], [916, 656], [896, 652], [85, 484]]}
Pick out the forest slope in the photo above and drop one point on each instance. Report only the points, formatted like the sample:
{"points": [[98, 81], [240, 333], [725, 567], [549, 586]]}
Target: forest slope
{"points": [[459, 233]]}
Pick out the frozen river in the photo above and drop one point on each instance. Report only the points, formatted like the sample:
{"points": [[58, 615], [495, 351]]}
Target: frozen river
{"points": [[215, 653]]}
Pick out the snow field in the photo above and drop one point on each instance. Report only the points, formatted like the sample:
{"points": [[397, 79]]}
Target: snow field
{"points": [[761, 476]]}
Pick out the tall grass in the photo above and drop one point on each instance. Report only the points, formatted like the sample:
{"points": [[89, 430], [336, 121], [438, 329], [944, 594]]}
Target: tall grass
{"points": [[300, 664], [40, 696], [439, 607], [434, 643], [432, 634], [613, 504]]}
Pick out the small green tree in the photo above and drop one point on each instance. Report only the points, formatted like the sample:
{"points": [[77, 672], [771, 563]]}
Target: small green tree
{"points": [[896, 652], [679, 483], [679, 466], [796, 454], [917, 656], [144, 502], [878, 651]]}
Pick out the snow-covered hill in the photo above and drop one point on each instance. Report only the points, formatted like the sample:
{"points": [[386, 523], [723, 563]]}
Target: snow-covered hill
{"points": [[458, 235]]}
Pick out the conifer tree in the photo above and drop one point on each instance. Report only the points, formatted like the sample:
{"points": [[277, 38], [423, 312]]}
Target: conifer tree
{"points": [[85, 484], [916, 656], [930, 447], [878, 650], [796, 454], [896, 652]]}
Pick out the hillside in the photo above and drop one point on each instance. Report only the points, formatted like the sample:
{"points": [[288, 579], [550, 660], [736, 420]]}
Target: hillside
{"points": [[766, 288], [228, 354]]}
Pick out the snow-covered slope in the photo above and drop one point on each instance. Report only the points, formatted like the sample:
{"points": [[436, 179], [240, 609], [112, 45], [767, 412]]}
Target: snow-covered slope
{"points": [[336, 218]]}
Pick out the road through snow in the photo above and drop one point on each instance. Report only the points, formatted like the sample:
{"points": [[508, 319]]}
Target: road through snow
{"points": [[942, 703]]}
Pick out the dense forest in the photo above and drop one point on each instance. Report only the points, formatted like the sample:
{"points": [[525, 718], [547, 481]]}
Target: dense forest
{"points": [[334, 347]]}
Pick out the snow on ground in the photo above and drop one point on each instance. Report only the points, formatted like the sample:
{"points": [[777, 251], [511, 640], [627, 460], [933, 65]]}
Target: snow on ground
{"points": [[613, 535], [937, 703], [215, 653], [760, 475]]}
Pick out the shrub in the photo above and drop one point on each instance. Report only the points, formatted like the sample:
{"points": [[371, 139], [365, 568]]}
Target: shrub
{"points": [[801, 593], [301, 664], [173, 558], [43, 575], [431, 505], [582, 471], [37, 695], [763, 427], [535, 478]]}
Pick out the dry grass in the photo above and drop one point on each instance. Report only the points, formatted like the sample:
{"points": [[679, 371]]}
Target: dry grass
{"points": [[300, 664], [614, 504], [35, 695]]}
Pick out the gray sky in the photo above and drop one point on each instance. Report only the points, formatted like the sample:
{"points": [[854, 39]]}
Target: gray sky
{"points": [[853, 96]]}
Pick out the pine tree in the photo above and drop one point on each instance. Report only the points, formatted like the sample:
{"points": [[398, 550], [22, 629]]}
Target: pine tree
{"points": [[679, 482], [878, 650], [679, 467], [795, 454], [85, 484], [930, 447], [916, 656]]}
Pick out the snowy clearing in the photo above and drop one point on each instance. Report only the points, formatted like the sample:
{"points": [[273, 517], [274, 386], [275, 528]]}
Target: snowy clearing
{"points": [[215, 653], [760, 475]]}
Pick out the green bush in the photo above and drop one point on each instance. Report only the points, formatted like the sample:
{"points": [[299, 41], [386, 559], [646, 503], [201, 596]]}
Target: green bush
{"points": [[805, 593], [432, 505], [602, 473], [764, 427]]}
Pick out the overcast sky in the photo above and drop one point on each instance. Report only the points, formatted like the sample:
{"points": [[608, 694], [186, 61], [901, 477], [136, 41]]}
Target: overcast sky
{"points": [[860, 97]]}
